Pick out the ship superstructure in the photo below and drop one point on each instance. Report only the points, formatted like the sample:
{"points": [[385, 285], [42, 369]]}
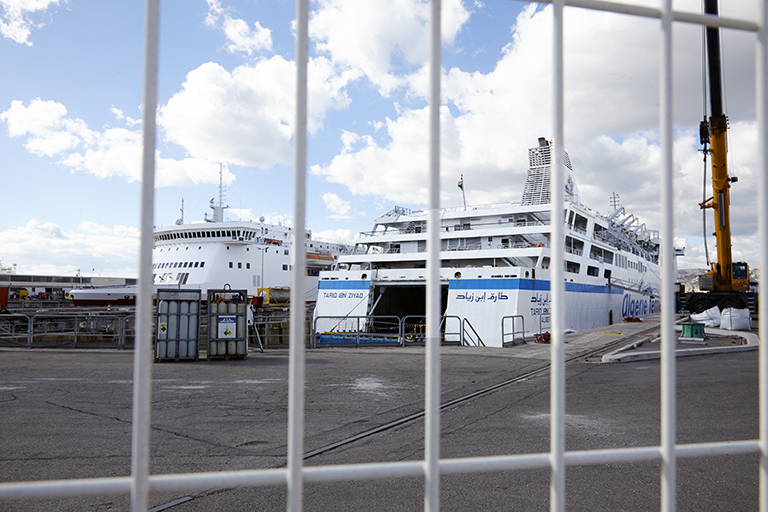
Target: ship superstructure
{"points": [[252, 256], [495, 263]]}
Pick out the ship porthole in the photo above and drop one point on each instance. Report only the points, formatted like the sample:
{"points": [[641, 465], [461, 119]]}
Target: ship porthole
{"points": [[457, 275], [364, 277], [526, 273]]}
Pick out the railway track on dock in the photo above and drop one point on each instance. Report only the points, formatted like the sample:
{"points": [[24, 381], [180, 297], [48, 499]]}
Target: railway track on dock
{"points": [[590, 355]]}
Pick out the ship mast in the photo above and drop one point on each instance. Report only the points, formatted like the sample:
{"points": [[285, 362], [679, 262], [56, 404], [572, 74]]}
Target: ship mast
{"points": [[218, 211]]}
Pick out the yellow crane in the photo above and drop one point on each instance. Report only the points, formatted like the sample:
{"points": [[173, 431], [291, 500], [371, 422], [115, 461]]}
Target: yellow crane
{"points": [[726, 284]]}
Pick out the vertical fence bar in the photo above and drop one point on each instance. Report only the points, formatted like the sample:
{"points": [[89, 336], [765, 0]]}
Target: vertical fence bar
{"points": [[432, 363], [761, 108], [296, 355], [557, 283], [668, 363], [142, 356]]}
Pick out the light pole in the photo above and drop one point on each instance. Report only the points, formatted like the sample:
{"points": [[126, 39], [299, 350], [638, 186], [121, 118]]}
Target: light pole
{"points": [[261, 276]]}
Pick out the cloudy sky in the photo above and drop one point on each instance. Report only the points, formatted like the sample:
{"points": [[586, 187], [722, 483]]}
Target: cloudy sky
{"points": [[70, 117]]}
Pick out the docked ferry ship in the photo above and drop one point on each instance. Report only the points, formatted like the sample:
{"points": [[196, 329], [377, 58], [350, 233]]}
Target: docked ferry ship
{"points": [[252, 256], [495, 263]]}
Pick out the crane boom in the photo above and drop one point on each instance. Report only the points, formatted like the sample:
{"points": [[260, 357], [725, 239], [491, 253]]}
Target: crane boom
{"points": [[721, 275]]}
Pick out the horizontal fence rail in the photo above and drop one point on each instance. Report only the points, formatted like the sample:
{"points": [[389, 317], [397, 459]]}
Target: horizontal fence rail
{"points": [[73, 331]]}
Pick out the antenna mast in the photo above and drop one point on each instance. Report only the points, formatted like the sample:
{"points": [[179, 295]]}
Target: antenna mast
{"points": [[221, 185], [615, 201]]}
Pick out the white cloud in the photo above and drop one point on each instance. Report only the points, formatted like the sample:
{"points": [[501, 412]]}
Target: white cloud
{"points": [[111, 251], [112, 152], [242, 39], [16, 23], [49, 131], [245, 117], [243, 213], [120, 116], [383, 39], [335, 235], [214, 12], [338, 207]]}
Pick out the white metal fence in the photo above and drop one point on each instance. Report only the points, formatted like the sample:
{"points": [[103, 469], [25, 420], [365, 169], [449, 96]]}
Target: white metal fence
{"points": [[140, 483]]}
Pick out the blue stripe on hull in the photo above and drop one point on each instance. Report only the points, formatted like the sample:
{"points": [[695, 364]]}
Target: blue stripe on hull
{"points": [[343, 285], [526, 284]]}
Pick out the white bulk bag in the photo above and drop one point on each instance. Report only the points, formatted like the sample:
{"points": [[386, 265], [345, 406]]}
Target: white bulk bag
{"points": [[710, 317], [732, 319]]}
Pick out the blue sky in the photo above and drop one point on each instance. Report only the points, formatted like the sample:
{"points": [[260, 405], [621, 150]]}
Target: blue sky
{"points": [[70, 112]]}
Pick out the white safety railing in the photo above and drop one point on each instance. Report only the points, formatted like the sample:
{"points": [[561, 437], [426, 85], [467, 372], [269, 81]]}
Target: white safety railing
{"points": [[140, 483]]}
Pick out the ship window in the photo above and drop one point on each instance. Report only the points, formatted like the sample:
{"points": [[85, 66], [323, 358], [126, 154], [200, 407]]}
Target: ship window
{"points": [[607, 274], [285, 267], [202, 264], [196, 263], [593, 271], [247, 265], [229, 233], [239, 264], [184, 265], [572, 267], [286, 252], [230, 264]]}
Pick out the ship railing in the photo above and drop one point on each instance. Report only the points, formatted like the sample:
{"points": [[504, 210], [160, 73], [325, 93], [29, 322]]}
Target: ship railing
{"points": [[581, 231], [70, 331], [414, 328], [456, 228], [515, 334], [469, 336], [577, 252], [380, 330]]}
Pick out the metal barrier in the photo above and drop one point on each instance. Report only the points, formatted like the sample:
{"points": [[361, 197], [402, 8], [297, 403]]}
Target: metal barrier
{"points": [[14, 330], [348, 330], [73, 331], [383, 330], [276, 328], [418, 333], [504, 333]]}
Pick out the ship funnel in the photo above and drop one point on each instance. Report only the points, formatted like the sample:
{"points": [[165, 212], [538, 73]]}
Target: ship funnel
{"points": [[543, 142]]}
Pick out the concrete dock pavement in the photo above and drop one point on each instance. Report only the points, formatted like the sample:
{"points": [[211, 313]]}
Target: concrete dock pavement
{"points": [[67, 414]]}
